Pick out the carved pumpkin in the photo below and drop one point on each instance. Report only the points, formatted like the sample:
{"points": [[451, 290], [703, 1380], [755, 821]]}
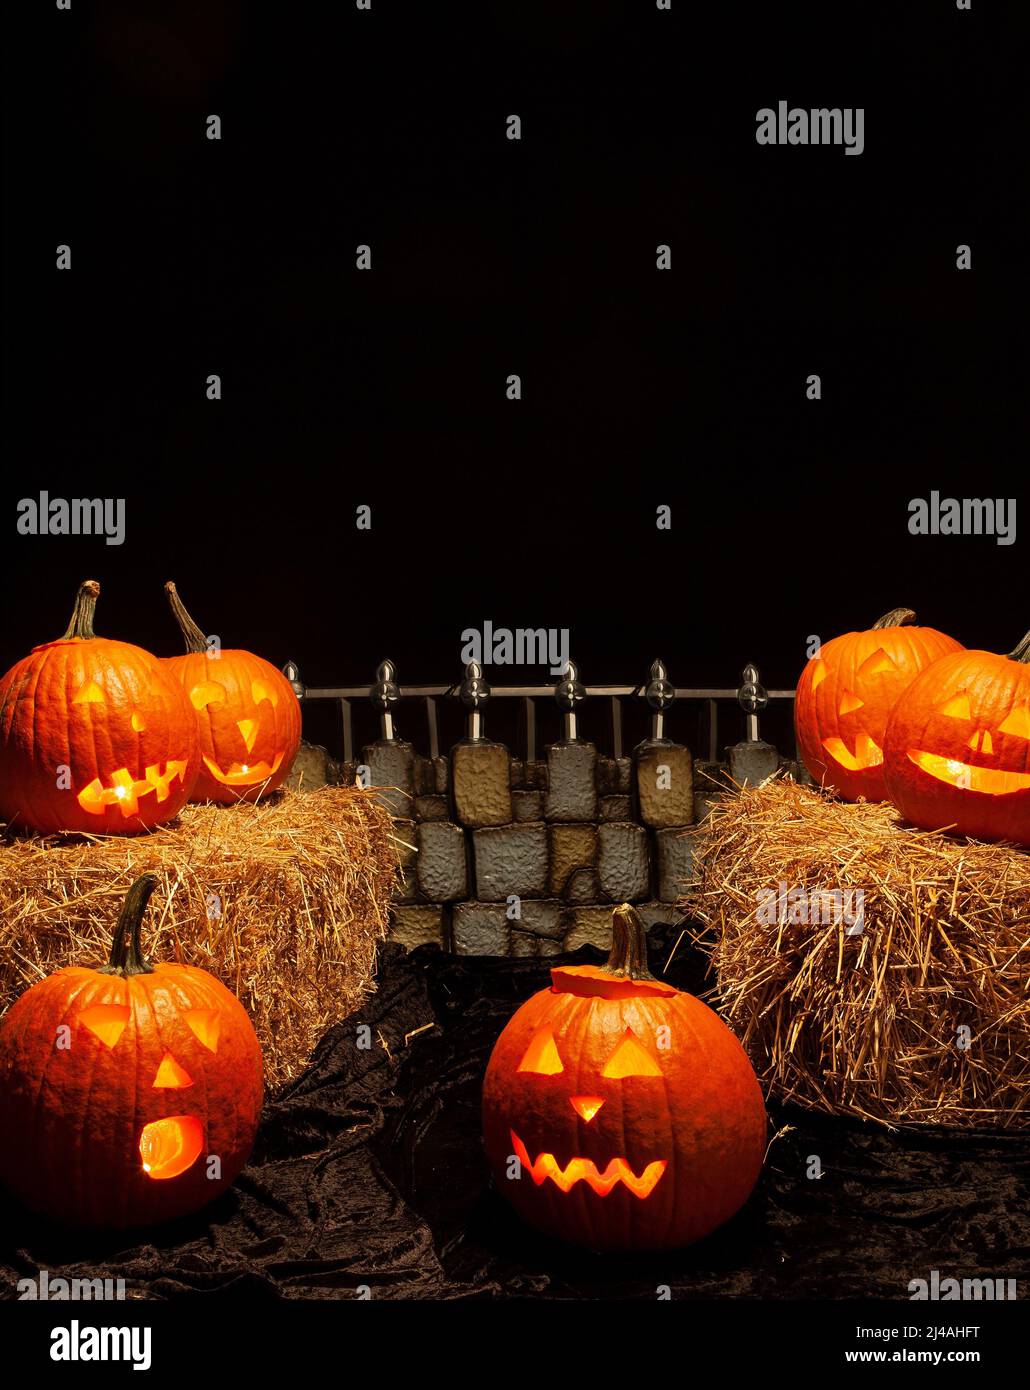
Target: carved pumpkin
{"points": [[618, 1112], [95, 735], [249, 717], [845, 696], [129, 1094], [958, 746]]}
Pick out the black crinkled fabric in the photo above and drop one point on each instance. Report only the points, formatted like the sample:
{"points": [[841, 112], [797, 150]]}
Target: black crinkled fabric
{"points": [[368, 1170]]}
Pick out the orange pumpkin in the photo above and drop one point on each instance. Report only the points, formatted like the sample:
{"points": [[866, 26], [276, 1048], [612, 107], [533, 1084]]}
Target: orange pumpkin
{"points": [[95, 735], [249, 717], [957, 753], [129, 1094], [618, 1112], [845, 696]]}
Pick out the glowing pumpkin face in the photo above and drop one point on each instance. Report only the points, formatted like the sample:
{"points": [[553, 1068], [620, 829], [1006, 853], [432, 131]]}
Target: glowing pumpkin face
{"points": [[845, 696], [620, 1113], [958, 747], [95, 736], [248, 716], [128, 1095]]}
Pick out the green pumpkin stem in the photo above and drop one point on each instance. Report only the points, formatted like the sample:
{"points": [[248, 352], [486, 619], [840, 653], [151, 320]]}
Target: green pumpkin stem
{"points": [[196, 641], [897, 617], [1021, 651], [628, 957], [81, 624], [127, 957]]}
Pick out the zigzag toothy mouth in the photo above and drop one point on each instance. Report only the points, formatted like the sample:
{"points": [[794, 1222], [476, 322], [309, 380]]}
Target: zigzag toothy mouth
{"points": [[585, 1170]]}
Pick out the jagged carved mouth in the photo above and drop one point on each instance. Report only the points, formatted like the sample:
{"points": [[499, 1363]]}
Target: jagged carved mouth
{"points": [[995, 781], [585, 1170], [867, 753], [126, 790], [244, 774]]}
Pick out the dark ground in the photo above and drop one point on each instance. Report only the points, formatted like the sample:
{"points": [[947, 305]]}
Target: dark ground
{"points": [[369, 1170]]}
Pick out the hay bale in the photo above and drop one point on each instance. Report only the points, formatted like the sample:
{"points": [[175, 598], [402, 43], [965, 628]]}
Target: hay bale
{"points": [[284, 901], [869, 1024]]}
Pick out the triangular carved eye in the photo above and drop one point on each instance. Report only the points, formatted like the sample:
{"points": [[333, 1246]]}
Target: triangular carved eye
{"points": [[630, 1059], [819, 672], [106, 1021], [204, 1024], [207, 693], [542, 1055], [876, 664], [850, 701], [90, 694], [1017, 722], [957, 707], [261, 690]]}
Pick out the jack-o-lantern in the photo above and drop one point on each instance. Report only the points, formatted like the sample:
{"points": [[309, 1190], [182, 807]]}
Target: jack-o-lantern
{"points": [[129, 1094], [618, 1112], [249, 717], [958, 746], [95, 735], [845, 696]]}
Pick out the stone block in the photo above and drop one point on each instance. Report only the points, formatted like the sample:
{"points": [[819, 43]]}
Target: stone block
{"points": [[624, 863], [511, 859], [588, 926], [480, 929], [442, 775], [431, 808], [675, 863], [418, 925], [527, 806], [704, 802], [425, 776], [542, 917], [442, 870], [655, 913], [571, 782], [616, 807], [312, 768], [623, 776], [752, 763], [481, 776], [391, 766], [665, 784], [573, 851], [405, 842]]}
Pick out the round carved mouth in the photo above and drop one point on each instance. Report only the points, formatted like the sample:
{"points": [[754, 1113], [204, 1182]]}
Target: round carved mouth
{"points": [[168, 1147], [546, 1167], [994, 781]]}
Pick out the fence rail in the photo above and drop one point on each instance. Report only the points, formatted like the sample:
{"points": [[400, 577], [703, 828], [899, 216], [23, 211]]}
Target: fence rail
{"points": [[750, 695]]}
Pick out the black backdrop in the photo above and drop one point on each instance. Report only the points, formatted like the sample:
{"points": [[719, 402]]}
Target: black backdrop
{"points": [[387, 388]]}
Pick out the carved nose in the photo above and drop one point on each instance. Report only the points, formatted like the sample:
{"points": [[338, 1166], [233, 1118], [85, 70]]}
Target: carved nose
{"points": [[586, 1107]]}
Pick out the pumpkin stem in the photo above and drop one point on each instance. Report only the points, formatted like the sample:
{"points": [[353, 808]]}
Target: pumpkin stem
{"points": [[126, 956], [196, 641], [1021, 651], [897, 617], [628, 957], [81, 624]]}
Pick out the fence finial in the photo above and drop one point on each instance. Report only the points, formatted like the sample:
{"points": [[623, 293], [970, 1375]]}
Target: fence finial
{"points": [[292, 673], [570, 694], [752, 697], [384, 695], [659, 693], [474, 693]]}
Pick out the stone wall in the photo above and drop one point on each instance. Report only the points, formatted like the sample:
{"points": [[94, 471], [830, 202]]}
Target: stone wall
{"points": [[505, 857]]}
